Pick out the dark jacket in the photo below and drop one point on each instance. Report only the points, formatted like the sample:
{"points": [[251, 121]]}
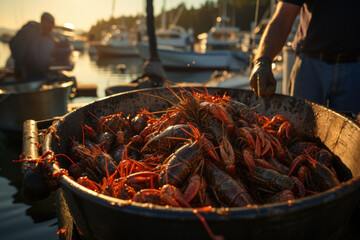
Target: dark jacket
{"points": [[31, 50]]}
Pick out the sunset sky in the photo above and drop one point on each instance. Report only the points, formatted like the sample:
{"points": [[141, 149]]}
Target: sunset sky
{"points": [[81, 13]]}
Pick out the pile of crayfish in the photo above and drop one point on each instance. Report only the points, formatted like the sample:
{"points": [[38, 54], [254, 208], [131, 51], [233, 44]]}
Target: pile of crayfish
{"points": [[205, 150]]}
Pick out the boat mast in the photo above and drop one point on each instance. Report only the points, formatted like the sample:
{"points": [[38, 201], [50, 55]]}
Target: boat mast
{"points": [[178, 15], [253, 32], [113, 9], [163, 16]]}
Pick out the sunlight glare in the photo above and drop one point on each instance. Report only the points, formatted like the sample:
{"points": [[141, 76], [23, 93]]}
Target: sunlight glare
{"points": [[69, 25]]}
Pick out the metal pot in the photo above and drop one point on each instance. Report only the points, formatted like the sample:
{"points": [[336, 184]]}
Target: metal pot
{"points": [[321, 216], [38, 100]]}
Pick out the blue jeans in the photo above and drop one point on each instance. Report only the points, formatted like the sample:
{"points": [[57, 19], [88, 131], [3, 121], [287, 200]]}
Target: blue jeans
{"points": [[336, 86]]}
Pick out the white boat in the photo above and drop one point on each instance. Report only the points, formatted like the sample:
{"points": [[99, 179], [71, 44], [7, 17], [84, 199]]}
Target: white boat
{"points": [[220, 37], [118, 42], [190, 60], [173, 38], [175, 49], [223, 37]]}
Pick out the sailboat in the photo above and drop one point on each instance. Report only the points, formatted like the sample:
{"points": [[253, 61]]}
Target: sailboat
{"points": [[224, 37], [181, 56], [118, 42]]}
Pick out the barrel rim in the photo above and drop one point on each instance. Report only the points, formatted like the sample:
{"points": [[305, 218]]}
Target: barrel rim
{"points": [[248, 212]]}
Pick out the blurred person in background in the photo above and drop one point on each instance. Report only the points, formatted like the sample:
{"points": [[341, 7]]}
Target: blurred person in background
{"points": [[327, 64], [32, 47]]}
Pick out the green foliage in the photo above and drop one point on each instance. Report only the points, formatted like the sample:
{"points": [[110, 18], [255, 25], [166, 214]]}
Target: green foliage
{"points": [[242, 13], [103, 26], [249, 3]]}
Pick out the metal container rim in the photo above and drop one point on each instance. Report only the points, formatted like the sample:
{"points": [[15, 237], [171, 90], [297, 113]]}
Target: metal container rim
{"points": [[215, 213]]}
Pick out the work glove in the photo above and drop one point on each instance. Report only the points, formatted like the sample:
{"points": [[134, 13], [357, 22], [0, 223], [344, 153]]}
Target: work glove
{"points": [[262, 80]]}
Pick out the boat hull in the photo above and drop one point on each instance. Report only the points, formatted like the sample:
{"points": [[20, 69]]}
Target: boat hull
{"points": [[33, 100], [190, 60], [315, 217]]}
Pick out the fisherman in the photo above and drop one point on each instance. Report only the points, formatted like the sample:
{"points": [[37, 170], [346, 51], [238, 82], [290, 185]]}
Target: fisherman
{"points": [[327, 65], [32, 47]]}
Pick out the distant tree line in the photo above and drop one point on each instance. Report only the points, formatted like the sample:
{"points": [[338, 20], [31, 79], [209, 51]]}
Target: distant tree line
{"points": [[240, 12]]}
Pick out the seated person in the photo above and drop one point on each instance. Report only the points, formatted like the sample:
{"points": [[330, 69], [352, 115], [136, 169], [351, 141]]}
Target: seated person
{"points": [[32, 47]]}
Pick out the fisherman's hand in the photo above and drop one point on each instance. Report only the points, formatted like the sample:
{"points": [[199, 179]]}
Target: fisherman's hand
{"points": [[262, 80]]}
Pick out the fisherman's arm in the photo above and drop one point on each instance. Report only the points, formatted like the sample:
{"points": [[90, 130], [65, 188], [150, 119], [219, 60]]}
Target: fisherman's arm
{"points": [[277, 30], [262, 80]]}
